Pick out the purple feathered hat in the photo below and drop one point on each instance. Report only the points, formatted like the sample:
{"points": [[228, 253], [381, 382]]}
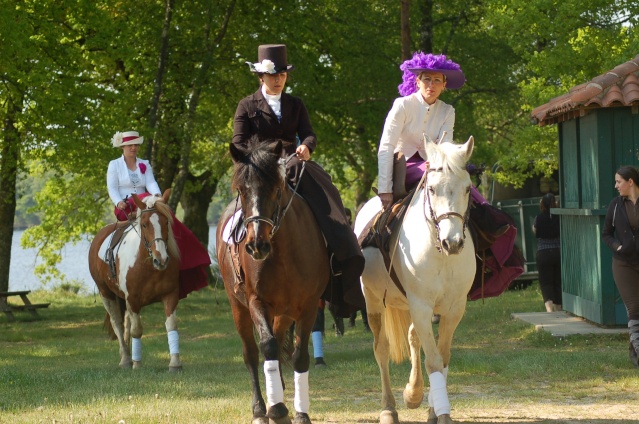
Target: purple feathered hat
{"points": [[429, 62]]}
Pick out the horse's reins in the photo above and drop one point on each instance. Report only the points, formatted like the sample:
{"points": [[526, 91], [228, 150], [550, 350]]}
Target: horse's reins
{"points": [[147, 244], [435, 218], [447, 215], [278, 215]]}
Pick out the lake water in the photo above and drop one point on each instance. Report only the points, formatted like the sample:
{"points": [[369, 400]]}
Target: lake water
{"points": [[74, 264]]}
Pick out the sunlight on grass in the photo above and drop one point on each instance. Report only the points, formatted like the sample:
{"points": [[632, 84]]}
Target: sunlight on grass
{"points": [[63, 369]]}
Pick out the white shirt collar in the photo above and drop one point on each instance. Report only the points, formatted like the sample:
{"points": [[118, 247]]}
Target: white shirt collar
{"points": [[274, 101]]}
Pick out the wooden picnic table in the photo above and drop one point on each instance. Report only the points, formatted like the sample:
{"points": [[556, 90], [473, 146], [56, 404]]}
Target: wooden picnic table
{"points": [[9, 309]]}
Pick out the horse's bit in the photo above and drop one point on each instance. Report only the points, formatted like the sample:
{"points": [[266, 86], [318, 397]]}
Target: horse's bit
{"points": [[447, 215], [278, 215]]}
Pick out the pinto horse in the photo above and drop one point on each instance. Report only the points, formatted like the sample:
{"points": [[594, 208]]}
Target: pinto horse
{"points": [[273, 276], [435, 265], [147, 270]]}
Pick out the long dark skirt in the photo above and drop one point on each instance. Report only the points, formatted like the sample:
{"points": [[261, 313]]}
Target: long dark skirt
{"points": [[316, 186]]}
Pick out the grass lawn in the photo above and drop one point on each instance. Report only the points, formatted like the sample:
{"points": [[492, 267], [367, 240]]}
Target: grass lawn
{"points": [[61, 368]]}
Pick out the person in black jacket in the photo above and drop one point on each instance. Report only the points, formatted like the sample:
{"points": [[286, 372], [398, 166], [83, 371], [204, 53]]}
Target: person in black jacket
{"points": [[546, 229], [620, 232]]}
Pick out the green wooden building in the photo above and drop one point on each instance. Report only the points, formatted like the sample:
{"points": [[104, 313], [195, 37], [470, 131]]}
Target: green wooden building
{"points": [[598, 126]]}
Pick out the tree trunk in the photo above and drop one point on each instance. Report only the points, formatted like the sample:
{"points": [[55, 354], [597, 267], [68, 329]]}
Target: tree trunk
{"points": [[157, 89], [405, 30], [426, 26], [195, 202], [203, 75], [9, 158]]}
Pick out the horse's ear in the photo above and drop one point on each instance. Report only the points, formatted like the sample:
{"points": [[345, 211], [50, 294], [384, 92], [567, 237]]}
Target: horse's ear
{"points": [[166, 195], [469, 147], [428, 145], [278, 148], [236, 153], [138, 202]]}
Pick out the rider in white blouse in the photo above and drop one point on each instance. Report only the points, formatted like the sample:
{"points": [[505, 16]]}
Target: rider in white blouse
{"points": [[407, 122], [417, 114], [122, 181], [128, 174]]}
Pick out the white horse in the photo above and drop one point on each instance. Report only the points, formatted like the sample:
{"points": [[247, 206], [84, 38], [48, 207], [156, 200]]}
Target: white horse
{"points": [[434, 259]]}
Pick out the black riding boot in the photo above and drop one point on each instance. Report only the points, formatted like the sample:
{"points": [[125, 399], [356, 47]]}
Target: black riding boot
{"points": [[399, 176]]}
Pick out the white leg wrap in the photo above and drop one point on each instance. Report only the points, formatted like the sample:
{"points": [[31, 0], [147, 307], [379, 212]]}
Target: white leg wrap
{"points": [[174, 342], [273, 381], [430, 396], [136, 349], [302, 401], [438, 394]]}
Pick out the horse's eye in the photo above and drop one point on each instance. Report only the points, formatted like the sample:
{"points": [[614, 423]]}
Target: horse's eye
{"points": [[431, 190]]}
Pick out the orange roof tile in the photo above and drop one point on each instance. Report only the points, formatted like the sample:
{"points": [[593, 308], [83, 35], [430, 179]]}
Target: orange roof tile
{"points": [[616, 88]]}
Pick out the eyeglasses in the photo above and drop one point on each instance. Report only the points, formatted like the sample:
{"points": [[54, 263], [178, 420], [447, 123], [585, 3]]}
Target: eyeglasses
{"points": [[432, 81]]}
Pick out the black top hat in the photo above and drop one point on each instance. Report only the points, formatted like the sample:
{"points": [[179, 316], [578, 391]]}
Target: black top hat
{"points": [[271, 59]]}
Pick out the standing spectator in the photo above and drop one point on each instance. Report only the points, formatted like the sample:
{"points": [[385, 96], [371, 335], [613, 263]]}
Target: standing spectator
{"points": [[620, 231], [546, 228]]}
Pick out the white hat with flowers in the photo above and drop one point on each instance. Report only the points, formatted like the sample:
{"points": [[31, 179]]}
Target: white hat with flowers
{"points": [[126, 138]]}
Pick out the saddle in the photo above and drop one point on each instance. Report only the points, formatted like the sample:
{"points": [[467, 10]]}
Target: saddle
{"points": [[233, 238], [114, 244], [382, 232]]}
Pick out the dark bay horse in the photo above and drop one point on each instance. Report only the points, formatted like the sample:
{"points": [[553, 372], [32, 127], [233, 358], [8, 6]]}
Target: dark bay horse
{"points": [[274, 276], [147, 270]]}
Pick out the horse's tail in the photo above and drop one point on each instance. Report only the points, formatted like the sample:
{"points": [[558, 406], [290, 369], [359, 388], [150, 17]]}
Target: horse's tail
{"points": [[396, 323], [107, 320]]}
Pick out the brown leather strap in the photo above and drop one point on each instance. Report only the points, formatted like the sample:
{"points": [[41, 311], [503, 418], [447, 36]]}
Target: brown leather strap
{"points": [[391, 271]]}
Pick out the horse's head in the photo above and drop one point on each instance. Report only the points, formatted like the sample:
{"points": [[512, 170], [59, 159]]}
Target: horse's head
{"points": [[154, 221], [447, 193], [259, 178]]}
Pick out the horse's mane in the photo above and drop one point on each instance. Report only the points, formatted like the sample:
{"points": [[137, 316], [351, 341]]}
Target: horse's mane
{"points": [[164, 209], [450, 157], [260, 164]]}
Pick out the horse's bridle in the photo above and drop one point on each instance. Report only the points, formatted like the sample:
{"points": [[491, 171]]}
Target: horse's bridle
{"points": [[447, 215], [148, 244], [278, 215]]}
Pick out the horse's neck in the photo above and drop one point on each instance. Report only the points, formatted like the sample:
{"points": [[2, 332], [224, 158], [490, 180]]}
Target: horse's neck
{"points": [[417, 216]]}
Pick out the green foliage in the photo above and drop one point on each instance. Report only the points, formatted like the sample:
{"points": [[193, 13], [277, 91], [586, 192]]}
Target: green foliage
{"points": [[85, 69]]}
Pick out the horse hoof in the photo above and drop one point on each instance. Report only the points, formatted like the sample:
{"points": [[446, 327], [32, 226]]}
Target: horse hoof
{"points": [[388, 417], [260, 420], [175, 369], [283, 420], [302, 418], [444, 419], [277, 412], [432, 418], [126, 365], [137, 365]]}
